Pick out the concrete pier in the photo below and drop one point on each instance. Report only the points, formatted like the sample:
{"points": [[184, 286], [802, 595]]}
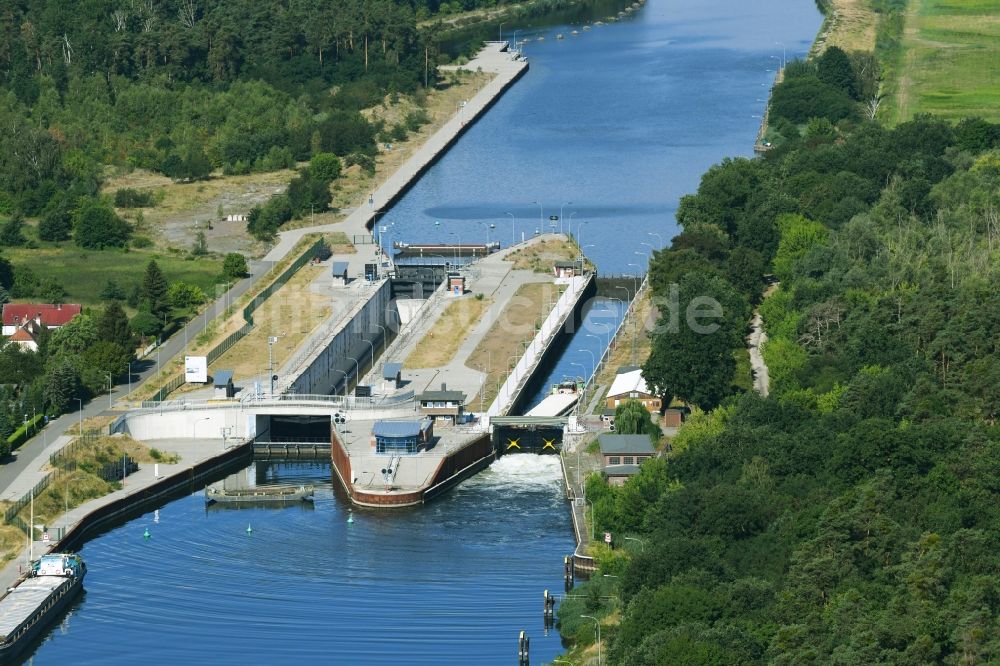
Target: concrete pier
{"points": [[493, 58]]}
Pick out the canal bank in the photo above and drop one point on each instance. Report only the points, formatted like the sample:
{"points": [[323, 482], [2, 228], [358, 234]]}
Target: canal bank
{"points": [[383, 589], [150, 486]]}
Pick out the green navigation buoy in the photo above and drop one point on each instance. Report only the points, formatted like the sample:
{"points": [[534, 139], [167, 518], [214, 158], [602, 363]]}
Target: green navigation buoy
{"points": [[146, 534], [249, 529]]}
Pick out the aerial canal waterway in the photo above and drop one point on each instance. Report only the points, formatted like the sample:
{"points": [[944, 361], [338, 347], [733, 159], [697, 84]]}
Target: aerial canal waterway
{"points": [[621, 120]]}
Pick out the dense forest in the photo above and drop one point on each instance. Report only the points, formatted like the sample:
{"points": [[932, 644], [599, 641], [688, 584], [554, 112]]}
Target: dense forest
{"points": [[850, 517]]}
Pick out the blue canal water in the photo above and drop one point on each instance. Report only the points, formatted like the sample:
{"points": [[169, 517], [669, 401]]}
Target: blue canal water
{"points": [[436, 584], [621, 121]]}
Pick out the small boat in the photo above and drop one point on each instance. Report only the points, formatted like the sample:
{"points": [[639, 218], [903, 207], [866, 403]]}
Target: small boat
{"points": [[276, 493], [560, 36], [567, 385], [586, 27], [28, 607], [575, 32]]}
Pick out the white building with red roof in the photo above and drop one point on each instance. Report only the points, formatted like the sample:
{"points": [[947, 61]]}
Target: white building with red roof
{"points": [[17, 315]]}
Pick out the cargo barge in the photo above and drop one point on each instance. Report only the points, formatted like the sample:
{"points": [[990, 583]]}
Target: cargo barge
{"points": [[276, 493], [31, 605]]}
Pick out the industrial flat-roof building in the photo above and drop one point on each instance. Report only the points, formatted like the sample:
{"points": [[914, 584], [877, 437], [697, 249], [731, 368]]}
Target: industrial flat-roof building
{"points": [[394, 437]]}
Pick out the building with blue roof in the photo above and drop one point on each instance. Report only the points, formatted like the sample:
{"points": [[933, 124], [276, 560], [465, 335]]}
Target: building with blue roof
{"points": [[394, 437]]}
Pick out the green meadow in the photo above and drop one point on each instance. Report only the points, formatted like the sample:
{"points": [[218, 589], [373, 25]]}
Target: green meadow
{"points": [[949, 60]]}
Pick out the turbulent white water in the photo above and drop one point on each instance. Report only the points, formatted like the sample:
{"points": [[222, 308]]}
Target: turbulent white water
{"points": [[526, 471]]}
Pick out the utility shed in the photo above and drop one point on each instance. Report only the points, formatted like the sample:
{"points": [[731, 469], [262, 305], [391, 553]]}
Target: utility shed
{"points": [[393, 372], [223, 381], [339, 272], [443, 403]]}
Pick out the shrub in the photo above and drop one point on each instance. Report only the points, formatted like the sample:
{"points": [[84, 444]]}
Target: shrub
{"points": [[97, 226], [129, 198]]}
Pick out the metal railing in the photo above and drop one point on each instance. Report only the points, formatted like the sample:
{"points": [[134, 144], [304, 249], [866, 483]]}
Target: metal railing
{"points": [[602, 362], [314, 400], [258, 300]]}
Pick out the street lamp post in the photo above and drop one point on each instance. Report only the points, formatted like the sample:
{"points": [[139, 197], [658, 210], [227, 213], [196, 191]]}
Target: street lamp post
{"points": [[642, 542], [371, 343], [81, 415], [345, 384], [357, 373], [385, 337], [194, 426], [111, 386], [598, 625], [783, 60], [512, 224], [568, 203], [635, 278], [659, 239], [569, 223], [541, 222], [270, 361]]}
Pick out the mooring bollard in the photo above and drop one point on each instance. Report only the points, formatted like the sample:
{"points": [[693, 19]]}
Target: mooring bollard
{"points": [[549, 610], [522, 649]]}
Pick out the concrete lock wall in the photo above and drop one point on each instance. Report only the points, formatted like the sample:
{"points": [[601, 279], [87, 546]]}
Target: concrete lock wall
{"points": [[196, 424], [326, 370]]}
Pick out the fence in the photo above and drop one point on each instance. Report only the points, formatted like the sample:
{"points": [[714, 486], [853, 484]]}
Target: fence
{"points": [[581, 407], [258, 300]]}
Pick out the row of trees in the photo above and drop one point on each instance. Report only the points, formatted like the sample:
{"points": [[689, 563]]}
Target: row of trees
{"points": [[847, 518]]}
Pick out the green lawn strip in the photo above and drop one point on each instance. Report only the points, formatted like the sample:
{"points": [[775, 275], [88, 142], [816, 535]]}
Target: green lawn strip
{"points": [[84, 273]]}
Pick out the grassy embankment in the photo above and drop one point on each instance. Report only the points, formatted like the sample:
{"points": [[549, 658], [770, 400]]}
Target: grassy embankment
{"points": [[849, 24], [78, 481], [267, 317], [635, 334], [514, 327], [440, 344], [540, 256], [944, 61]]}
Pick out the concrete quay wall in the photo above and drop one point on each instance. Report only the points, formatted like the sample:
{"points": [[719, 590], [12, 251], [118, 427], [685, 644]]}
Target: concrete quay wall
{"points": [[507, 73], [334, 361]]}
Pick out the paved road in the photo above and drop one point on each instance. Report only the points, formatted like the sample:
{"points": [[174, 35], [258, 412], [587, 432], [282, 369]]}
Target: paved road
{"points": [[24, 467], [14, 481]]}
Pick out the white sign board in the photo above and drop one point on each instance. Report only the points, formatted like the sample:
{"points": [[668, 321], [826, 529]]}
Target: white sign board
{"points": [[196, 369], [607, 537]]}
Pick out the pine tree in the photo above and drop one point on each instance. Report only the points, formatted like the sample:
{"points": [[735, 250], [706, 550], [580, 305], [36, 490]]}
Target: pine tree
{"points": [[61, 386], [153, 291], [113, 326]]}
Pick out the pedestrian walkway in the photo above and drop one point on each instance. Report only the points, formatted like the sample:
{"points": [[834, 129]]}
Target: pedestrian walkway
{"points": [[492, 59]]}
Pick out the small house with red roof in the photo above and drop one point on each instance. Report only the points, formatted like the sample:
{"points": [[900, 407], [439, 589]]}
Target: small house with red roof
{"points": [[17, 315], [22, 322]]}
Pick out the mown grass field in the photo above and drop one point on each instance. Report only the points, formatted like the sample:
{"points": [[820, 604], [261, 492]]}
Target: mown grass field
{"points": [[83, 273], [440, 344], [949, 62]]}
